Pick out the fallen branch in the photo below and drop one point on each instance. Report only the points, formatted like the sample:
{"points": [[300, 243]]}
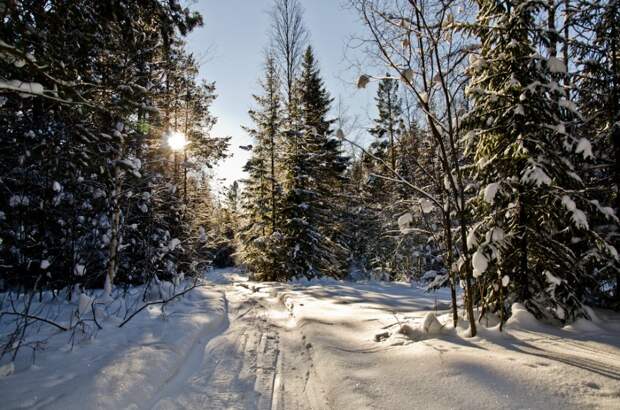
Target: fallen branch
{"points": [[92, 307], [159, 302], [49, 322]]}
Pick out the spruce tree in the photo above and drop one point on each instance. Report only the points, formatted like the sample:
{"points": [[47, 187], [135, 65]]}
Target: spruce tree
{"points": [[389, 123], [596, 47], [261, 196], [88, 170], [313, 227], [533, 240], [388, 200]]}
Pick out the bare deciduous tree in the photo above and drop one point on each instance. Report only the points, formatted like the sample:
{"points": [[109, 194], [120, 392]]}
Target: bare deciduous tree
{"points": [[418, 40], [290, 37]]}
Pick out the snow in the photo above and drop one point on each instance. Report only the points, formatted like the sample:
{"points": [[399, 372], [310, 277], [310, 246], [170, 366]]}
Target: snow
{"points": [[430, 324], [554, 280], [569, 105], [427, 205], [578, 217], [522, 319], [25, 89], [495, 234], [7, 369], [480, 263], [404, 222], [319, 344], [85, 304], [429, 327], [536, 175], [118, 368], [490, 191], [519, 110], [605, 210], [568, 203], [585, 148], [173, 244], [472, 239], [17, 200], [79, 269]]}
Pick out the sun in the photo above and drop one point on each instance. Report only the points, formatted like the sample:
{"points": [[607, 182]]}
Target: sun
{"points": [[177, 140]]}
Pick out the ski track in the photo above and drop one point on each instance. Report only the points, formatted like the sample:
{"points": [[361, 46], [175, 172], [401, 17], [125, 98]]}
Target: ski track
{"points": [[238, 368]]}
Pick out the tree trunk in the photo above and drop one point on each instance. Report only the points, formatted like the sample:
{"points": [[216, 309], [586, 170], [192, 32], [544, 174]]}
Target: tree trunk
{"points": [[450, 261], [113, 246], [115, 224]]}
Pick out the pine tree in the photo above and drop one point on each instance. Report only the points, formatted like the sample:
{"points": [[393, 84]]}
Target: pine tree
{"points": [[533, 240]]}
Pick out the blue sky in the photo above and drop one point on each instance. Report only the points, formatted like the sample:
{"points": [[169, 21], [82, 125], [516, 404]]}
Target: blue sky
{"points": [[230, 49]]}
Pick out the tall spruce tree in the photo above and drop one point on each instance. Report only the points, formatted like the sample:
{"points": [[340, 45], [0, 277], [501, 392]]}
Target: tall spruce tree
{"points": [[313, 166], [385, 205], [262, 191], [533, 240], [389, 123], [596, 47]]}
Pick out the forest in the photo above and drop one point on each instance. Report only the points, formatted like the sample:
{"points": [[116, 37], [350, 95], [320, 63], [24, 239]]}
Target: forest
{"points": [[481, 199]]}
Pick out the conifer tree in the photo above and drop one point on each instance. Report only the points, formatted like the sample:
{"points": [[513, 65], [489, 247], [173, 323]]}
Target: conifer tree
{"points": [[261, 196], [389, 123], [389, 251], [596, 48], [532, 211], [86, 126], [313, 168]]}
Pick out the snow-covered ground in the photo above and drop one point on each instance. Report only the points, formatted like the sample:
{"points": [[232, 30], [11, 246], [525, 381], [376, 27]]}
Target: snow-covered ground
{"points": [[237, 344]]}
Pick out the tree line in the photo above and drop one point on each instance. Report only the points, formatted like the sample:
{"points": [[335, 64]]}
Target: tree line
{"points": [[92, 193], [493, 165]]}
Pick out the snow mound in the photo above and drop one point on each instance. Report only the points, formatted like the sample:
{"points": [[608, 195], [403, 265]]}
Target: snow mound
{"points": [[521, 318], [85, 304], [490, 191], [480, 263], [583, 325], [430, 327], [404, 222], [159, 290], [592, 315], [7, 369]]}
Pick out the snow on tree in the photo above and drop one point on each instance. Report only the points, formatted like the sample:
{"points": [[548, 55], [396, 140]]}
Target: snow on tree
{"points": [[533, 209], [262, 193]]}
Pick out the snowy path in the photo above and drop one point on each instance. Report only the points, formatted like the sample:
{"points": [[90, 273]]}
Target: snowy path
{"points": [[236, 344], [242, 367], [234, 370]]}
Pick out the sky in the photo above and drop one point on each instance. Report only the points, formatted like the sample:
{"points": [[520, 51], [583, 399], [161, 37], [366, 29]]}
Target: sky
{"points": [[230, 49]]}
